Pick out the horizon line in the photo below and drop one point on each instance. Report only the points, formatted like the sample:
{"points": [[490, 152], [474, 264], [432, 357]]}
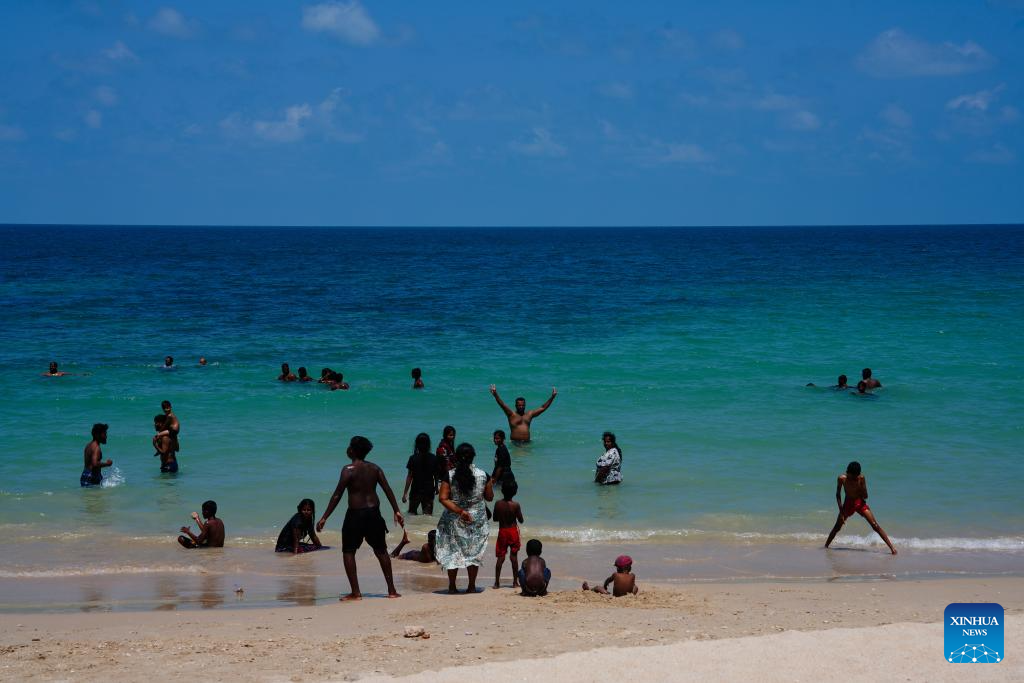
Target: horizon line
{"points": [[510, 226]]}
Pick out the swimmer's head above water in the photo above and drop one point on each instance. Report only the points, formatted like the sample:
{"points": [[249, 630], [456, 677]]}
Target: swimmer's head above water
{"points": [[168, 361], [520, 406]]}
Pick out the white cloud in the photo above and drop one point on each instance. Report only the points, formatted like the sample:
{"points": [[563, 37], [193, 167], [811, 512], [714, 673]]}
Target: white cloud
{"points": [[299, 121], [11, 133], [120, 53], [895, 54], [685, 153], [727, 39], [93, 119], [802, 120], [539, 144], [997, 154], [896, 116], [617, 90], [105, 95], [169, 22], [347, 21], [978, 101]]}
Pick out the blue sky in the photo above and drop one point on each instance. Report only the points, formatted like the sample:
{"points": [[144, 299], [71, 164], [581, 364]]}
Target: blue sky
{"points": [[526, 113]]}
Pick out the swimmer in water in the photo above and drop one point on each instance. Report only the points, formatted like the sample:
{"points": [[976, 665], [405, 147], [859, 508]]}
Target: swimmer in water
{"points": [[202, 361], [325, 376], [304, 376], [417, 378], [54, 372], [337, 381], [164, 445], [856, 488], [520, 419], [870, 381], [286, 374], [168, 362], [841, 384]]}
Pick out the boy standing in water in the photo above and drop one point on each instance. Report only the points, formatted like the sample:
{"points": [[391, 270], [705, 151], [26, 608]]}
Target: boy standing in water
{"points": [[856, 487], [507, 513], [362, 519], [93, 457], [211, 533]]}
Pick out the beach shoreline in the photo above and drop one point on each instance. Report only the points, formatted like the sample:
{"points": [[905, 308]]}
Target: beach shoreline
{"points": [[339, 641]]}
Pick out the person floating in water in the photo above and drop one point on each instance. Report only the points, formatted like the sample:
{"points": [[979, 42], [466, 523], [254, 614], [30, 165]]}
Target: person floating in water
{"points": [[426, 554], [520, 419], [299, 527], [534, 575], [509, 515], [870, 381], [609, 465], [286, 374], [164, 445], [54, 372], [202, 361], [856, 487], [841, 384], [211, 532], [417, 378], [337, 381], [168, 363], [325, 376], [304, 376], [362, 519], [623, 580], [93, 457]]}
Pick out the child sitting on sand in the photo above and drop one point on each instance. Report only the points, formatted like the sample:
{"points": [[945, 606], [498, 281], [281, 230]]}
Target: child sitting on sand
{"points": [[211, 533], [534, 575], [507, 513], [623, 580], [425, 554]]}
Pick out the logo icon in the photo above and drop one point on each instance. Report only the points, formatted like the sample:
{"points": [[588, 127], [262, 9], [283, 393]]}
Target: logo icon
{"points": [[973, 633]]}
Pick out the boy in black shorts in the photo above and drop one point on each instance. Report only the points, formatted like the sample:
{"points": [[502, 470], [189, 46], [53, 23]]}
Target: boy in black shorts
{"points": [[363, 520]]}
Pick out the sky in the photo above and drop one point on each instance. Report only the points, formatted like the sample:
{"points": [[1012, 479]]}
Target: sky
{"points": [[511, 114]]}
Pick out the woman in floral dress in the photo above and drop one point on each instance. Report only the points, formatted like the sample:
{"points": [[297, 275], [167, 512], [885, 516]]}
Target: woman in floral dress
{"points": [[462, 529]]}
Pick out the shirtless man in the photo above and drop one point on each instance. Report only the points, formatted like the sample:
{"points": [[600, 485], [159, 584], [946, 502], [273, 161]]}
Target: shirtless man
{"points": [[286, 374], [172, 426], [211, 532], [163, 444], [869, 381], [54, 372], [519, 421], [93, 457], [363, 520], [856, 487]]}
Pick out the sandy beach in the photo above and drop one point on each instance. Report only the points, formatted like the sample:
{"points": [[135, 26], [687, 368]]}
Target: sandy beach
{"points": [[778, 631]]}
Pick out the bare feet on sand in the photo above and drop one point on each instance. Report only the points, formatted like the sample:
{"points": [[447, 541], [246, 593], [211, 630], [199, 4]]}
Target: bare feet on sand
{"points": [[351, 596]]}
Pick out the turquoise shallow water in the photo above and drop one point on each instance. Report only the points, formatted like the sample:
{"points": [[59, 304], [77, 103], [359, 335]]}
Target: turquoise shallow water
{"points": [[694, 346]]}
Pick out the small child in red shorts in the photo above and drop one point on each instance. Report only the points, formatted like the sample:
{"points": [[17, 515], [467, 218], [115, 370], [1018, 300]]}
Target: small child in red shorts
{"points": [[507, 513]]}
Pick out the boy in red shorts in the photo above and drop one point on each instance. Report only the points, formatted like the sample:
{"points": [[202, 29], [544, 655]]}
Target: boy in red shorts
{"points": [[507, 513], [856, 487]]}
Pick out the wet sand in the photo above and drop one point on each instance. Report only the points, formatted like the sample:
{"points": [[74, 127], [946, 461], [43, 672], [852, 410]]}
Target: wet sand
{"points": [[344, 641]]}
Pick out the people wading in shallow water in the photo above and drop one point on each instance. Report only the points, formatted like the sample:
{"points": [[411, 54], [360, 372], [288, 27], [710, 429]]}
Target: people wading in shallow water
{"points": [[519, 420], [609, 465]]}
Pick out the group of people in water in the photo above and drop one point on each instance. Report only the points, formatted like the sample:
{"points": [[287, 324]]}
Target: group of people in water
{"points": [[447, 474], [865, 386]]}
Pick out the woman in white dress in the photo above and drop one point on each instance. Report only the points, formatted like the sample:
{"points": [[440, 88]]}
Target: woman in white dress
{"points": [[609, 465], [462, 529]]}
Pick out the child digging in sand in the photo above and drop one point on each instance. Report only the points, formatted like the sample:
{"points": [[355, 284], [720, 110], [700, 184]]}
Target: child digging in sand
{"points": [[623, 580], [507, 513], [856, 487]]}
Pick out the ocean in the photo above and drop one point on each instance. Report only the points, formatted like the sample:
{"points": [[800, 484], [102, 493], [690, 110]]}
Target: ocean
{"points": [[693, 345]]}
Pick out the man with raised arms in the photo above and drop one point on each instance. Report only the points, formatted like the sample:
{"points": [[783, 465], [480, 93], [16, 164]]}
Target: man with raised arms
{"points": [[520, 419], [363, 520]]}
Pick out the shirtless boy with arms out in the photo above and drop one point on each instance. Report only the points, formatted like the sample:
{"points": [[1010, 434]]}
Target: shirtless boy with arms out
{"points": [[520, 419], [362, 519], [856, 487]]}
